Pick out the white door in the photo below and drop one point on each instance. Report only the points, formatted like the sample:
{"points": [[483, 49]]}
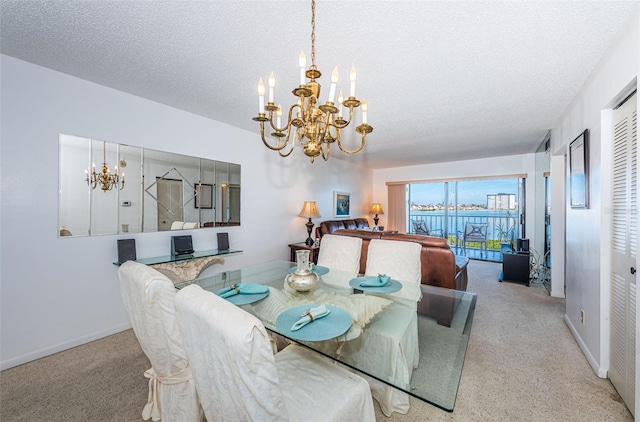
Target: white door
{"points": [[624, 252]]}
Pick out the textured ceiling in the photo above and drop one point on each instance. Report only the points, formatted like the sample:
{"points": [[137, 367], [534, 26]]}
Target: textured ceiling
{"points": [[444, 80]]}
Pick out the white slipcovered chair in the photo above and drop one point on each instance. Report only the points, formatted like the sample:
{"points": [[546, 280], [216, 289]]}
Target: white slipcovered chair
{"points": [[394, 332], [190, 225], [340, 252], [239, 379], [148, 297], [177, 225]]}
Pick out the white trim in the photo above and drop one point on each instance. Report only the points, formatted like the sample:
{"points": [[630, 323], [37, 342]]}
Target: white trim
{"points": [[19, 360], [601, 372]]}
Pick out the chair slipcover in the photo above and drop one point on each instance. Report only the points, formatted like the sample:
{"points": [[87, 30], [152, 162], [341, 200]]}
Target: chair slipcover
{"points": [[239, 379], [190, 225], [148, 297], [177, 225], [340, 252], [395, 332]]}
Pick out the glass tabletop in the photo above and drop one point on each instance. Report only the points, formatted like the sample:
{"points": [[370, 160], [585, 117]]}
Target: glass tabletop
{"points": [[179, 258], [444, 319]]}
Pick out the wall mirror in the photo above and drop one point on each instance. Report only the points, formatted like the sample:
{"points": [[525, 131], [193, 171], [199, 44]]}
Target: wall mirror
{"points": [[144, 190]]}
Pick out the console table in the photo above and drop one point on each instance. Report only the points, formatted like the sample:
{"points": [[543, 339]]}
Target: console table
{"points": [[180, 268]]}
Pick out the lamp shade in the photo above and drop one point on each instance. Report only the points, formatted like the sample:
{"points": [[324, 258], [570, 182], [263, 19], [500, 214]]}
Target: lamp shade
{"points": [[376, 208], [309, 210]]}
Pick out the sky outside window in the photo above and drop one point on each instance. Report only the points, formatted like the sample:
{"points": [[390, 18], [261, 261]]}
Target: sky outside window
{"points": [[470, 192]]}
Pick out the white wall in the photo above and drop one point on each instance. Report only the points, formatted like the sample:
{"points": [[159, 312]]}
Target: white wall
{"points": [[587, 230], [56, 293], [496, 166]]}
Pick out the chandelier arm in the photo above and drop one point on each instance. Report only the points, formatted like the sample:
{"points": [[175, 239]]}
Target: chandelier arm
{"points": [[264, 141], [327, 127], [364, 138], [350, 116], [277, 129], [293, 144], [290, 118], [326, 158]]}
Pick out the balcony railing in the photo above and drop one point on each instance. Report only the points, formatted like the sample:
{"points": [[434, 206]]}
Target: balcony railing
{"points": [[502, 227]]}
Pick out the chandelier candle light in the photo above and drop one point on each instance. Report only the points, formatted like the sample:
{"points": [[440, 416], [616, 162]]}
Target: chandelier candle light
{"points": [[316, 127], [106, 180]]}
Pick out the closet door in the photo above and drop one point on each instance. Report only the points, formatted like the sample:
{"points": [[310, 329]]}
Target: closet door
{"points": [[624, 252]]}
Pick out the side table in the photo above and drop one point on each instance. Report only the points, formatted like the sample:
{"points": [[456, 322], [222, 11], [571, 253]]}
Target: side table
{"points": [[313, 255]]}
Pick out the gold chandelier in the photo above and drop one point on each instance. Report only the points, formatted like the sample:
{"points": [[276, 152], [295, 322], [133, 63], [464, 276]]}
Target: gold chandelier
{"points": [[105, 179], [316, 127]]}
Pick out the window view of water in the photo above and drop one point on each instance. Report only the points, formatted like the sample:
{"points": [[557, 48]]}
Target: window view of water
{"points": [[489, 208]]}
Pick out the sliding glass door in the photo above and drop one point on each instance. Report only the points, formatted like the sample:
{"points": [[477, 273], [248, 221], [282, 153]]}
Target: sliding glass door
{"points": [[446, 208]]}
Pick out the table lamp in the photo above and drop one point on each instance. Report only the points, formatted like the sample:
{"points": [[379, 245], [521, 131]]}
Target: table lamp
{"points": [[376, 209], [309, 210]]}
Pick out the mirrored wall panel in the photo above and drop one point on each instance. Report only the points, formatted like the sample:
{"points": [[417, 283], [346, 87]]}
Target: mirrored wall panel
{"points": [[109, 188]]}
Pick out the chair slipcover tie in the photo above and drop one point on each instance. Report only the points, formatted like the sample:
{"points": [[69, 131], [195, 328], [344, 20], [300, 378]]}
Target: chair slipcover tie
{"points": [[152, 408]]}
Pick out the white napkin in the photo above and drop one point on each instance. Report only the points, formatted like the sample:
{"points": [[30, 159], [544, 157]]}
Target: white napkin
{"points": [[310, 315]]}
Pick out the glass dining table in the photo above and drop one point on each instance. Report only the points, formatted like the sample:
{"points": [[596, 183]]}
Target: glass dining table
{"points": [[444, 320]]}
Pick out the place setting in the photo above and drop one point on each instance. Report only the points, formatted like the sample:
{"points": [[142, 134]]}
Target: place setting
{"points": [[381, 283], [315, 322], [244, 293]]}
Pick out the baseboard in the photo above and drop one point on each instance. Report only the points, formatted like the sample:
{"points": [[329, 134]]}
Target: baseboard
{"points": [[602, 373], [10, 363]]}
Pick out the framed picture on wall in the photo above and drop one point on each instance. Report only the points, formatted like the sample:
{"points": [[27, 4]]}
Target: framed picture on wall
{"points": [[579, 171], [341, 204], [204, 196]]}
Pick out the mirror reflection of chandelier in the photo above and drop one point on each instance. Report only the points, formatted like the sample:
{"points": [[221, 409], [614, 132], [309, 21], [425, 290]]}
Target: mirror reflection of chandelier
{"points": [[316, 127], [105, 179]]}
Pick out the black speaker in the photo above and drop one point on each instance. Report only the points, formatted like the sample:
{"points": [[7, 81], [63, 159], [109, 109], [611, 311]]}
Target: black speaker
{"points": [[523, 245], [126, 250], [223, 241], [181, 245]]}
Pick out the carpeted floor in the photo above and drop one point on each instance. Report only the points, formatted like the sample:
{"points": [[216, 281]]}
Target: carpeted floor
{"points": [[522, 364]]}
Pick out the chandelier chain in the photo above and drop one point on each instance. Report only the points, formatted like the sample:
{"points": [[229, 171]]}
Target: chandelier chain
{"points": [[313, 33]]}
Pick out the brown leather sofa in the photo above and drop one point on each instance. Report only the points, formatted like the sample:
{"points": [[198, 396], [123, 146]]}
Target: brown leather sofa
{"points": [[328, 227], [440, 267]]}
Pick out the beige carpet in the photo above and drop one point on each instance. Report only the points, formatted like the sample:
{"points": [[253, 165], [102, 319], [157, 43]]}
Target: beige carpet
{"points": [[522, 364]]}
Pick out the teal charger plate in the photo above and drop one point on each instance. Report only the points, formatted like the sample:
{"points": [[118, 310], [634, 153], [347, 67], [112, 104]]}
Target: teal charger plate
{"points": [[331, 326], [241, 299]]}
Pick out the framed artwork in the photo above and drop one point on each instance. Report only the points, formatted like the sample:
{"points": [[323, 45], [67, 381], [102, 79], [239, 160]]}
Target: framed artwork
{"points": [[341, 204], [579, 171], [203, 196]]}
